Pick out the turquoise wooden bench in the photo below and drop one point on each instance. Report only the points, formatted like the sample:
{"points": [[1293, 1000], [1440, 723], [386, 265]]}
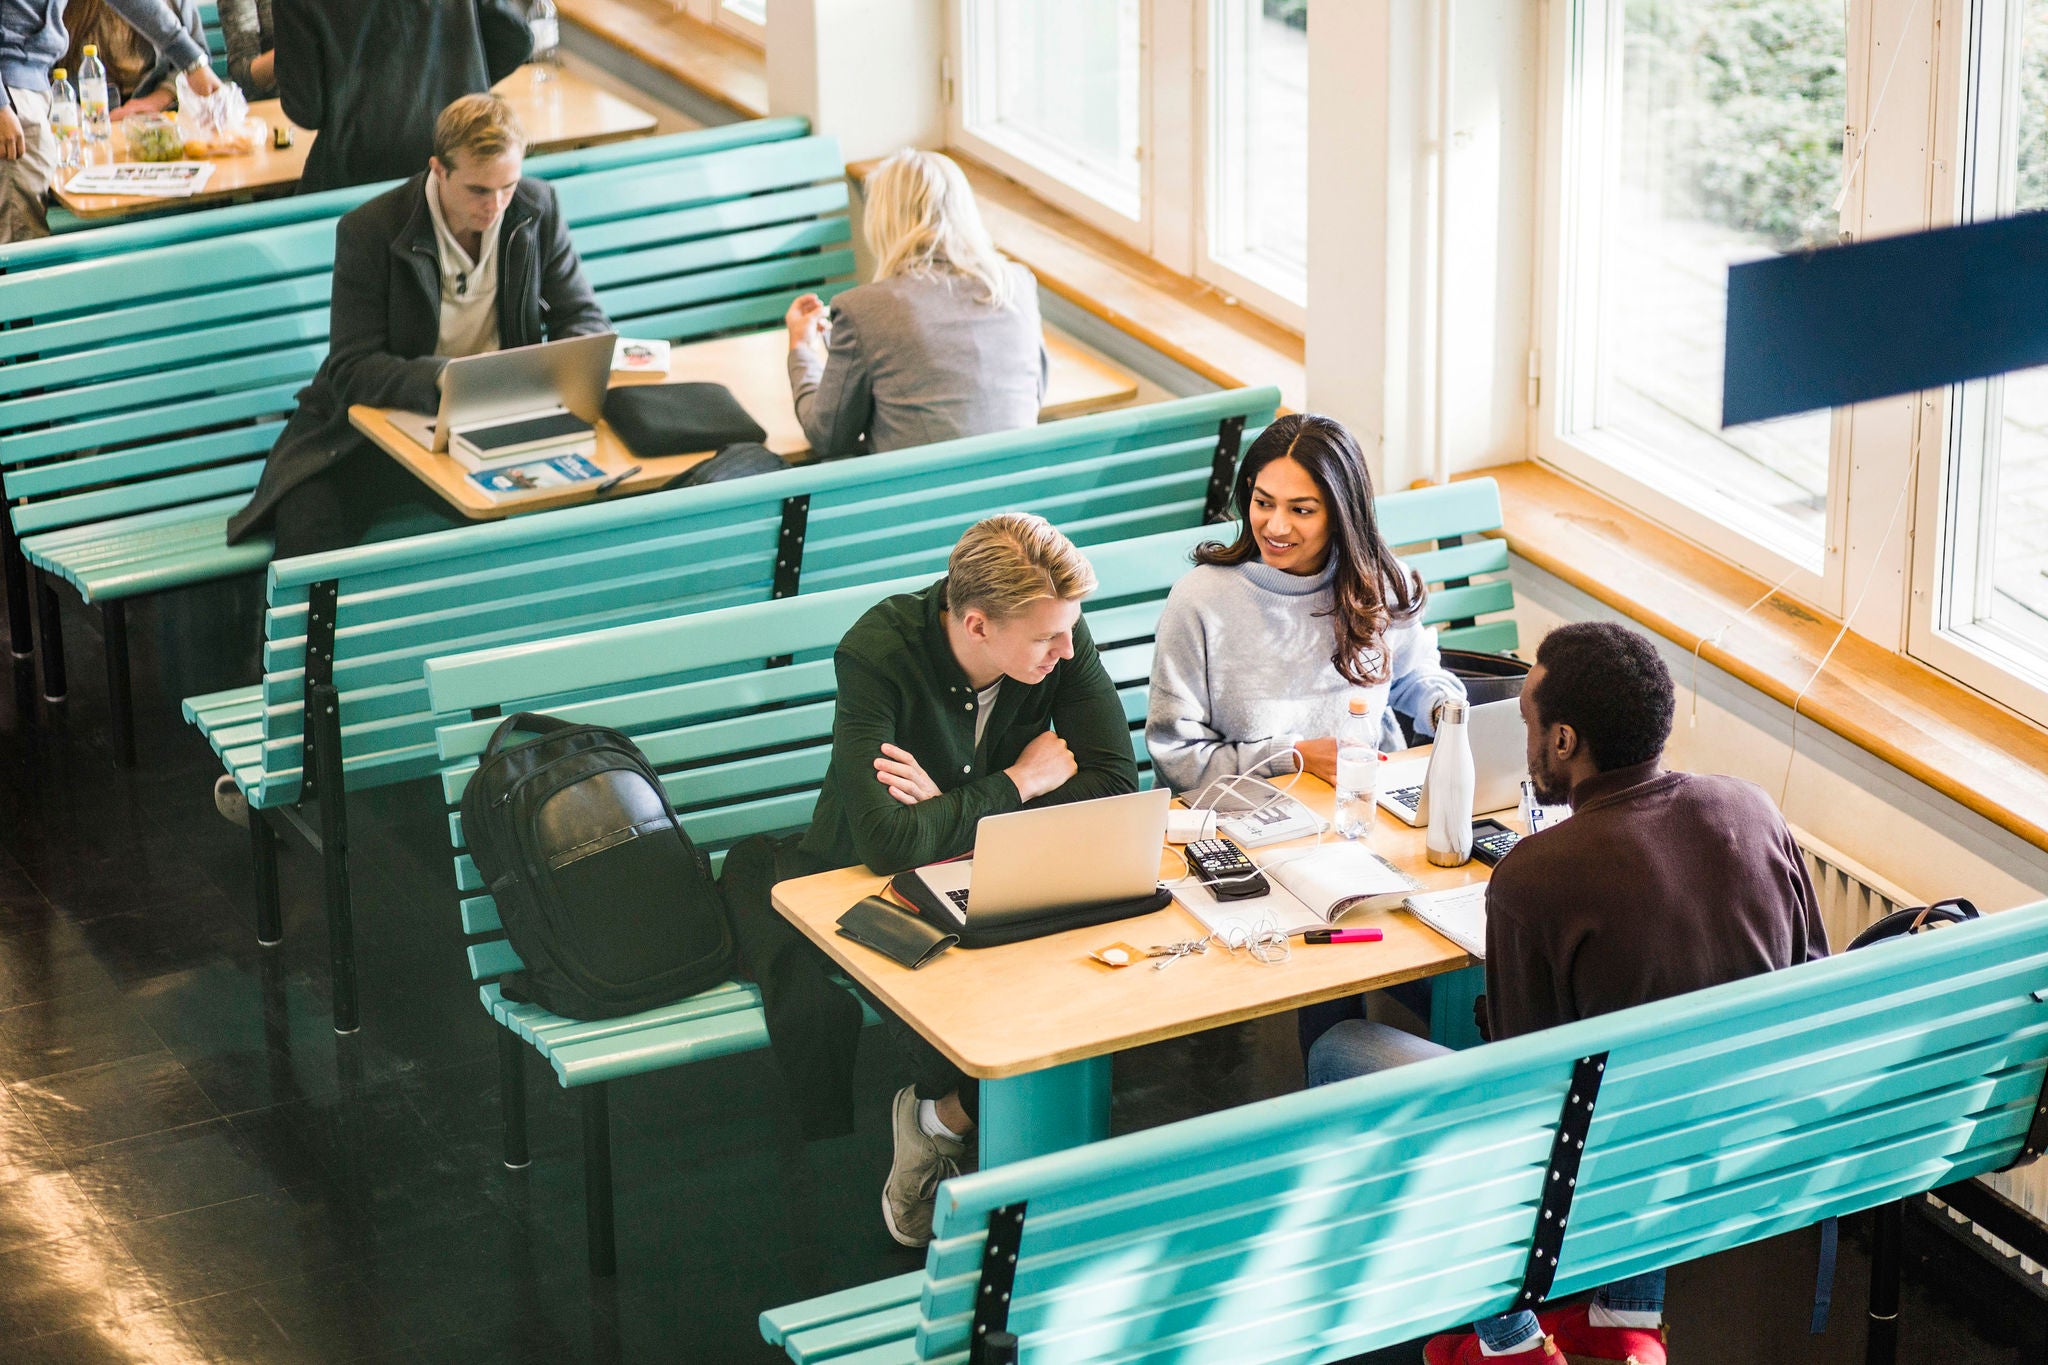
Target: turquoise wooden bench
{"points": [[743, 744], [140, 393], [1337, 1221], [363, 621]]}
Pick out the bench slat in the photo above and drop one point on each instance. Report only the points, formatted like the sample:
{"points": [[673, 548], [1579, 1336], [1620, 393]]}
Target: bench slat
{"points": [[879, 1297]]}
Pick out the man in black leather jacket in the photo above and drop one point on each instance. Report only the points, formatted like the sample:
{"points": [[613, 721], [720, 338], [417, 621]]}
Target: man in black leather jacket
{"points": [[371, 74], [467, 256]]}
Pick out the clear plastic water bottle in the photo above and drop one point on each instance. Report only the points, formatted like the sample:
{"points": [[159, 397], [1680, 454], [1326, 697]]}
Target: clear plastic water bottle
{"points": [[1447, 790], [547, 38], [64, 119], [92, 98], [1358, 772]]}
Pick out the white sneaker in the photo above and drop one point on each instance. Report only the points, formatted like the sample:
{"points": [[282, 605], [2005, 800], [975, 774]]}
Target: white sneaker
{"points": [[921, 1163]]}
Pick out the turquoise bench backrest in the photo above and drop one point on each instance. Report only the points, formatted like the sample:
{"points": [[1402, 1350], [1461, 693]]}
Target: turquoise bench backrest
{"points": [[1337, 1221], [743, 746], [1104, 477], [121, 238], [162, 378], [216, 38]]}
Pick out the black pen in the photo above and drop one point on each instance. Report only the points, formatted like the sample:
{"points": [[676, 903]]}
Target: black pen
{"points": [[615, 480]]}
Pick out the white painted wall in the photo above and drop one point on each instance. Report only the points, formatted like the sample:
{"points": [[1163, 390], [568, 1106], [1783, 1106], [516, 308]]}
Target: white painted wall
{"points": [[865, 71], [1373, 239]]}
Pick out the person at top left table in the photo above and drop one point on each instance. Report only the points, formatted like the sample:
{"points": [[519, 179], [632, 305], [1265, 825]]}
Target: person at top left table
{"points": [[32, 42], [140, 80]]}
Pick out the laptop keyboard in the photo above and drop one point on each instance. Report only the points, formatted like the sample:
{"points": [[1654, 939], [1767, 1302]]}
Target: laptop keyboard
{"points": [[959, 899], [1408, 797]]}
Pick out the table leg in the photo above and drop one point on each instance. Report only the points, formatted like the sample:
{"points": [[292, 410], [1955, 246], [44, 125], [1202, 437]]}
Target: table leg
{"points": [[1044, 1111], [1450, 1007]]}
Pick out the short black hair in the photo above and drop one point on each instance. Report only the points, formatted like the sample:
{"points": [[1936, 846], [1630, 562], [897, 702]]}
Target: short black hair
{"points": [[1608, 683]]}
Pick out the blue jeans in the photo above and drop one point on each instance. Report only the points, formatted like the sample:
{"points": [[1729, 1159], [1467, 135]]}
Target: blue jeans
{"points": [[1357, 1047]]}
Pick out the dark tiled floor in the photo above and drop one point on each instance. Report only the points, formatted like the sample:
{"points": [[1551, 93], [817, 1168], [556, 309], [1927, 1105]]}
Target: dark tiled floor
{"points": [[193, 1167]]}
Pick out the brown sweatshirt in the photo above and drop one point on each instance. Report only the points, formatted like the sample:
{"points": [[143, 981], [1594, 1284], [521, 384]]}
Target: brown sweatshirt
{"points": [[1660, 883]]}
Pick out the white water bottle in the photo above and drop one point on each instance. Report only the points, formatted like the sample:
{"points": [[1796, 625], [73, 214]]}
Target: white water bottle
{"points": [[547, 38], [1357, 772], [92, 97], [64, 119], [1447, 790]]}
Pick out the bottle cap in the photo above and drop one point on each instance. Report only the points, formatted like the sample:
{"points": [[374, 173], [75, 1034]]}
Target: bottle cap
{"points": [[91, 50], [1358, 704], [58, 74], [1452, 713]]}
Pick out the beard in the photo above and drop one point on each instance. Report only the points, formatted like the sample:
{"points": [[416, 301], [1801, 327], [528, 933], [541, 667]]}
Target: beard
{"points": [[1551, 787]]}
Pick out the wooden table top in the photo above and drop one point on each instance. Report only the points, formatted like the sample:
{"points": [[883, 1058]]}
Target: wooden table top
{"points": [[754, 367], [560, 115], [1027, 1006]]}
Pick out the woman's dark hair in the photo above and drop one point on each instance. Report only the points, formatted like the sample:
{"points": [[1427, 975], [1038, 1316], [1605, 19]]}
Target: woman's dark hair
{"points": [[1367, 571]]}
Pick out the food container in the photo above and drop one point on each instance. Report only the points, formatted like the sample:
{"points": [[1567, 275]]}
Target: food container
{"points": [[153, 137]]}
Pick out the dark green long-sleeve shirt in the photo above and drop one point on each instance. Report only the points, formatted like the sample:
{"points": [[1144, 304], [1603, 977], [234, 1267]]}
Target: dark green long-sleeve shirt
{"points": [[900, 684]]}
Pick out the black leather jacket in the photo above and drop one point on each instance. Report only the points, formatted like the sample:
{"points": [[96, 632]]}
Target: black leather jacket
{"points": [[372, 76], [386, 322]]}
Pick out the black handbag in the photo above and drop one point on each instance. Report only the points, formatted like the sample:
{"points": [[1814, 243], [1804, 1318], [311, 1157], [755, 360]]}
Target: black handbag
{"points": [[678, 419]]}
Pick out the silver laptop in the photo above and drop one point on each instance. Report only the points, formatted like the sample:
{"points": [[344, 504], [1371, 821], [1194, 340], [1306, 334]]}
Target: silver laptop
{"points": [[1500, 760], [1030, 862], [478, 389]]}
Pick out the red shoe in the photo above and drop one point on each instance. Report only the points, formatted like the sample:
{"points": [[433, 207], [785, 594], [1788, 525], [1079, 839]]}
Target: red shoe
{"points": [[1585, 1344], [1462, 1348]]}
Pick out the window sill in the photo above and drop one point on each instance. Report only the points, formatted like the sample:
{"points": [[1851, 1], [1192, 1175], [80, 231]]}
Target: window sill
{"points": [[714, 63], [1986, 758], [1179, 317]]}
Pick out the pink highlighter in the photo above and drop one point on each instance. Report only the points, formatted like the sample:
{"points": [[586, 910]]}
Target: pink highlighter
{"points": [[1343, 936]]}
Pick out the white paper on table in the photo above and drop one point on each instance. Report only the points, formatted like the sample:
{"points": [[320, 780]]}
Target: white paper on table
{"points": [[148, 179]]}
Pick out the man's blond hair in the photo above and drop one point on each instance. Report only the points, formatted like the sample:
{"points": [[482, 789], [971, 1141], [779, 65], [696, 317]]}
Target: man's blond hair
{"points": [[1008, 561], [483, 126]]}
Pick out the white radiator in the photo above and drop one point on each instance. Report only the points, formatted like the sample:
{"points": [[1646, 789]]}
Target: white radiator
{"points": [[1852, 898]]}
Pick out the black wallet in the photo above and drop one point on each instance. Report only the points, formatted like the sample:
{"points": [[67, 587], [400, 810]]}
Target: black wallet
{"points": [[894, 932], [678, 419]]}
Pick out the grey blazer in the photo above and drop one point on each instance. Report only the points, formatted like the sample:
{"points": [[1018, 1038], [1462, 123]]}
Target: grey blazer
{"points": [[914, 360]]}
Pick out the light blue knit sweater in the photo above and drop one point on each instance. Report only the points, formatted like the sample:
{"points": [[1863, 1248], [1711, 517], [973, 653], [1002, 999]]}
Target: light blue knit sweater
{"points": [[1242, 670]]}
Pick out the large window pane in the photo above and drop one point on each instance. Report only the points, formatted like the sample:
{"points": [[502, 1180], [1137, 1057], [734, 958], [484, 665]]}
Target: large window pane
{"points": [[1715, 134], [753, 11], [1258, 142], [1055, 84], [1998, 493]]}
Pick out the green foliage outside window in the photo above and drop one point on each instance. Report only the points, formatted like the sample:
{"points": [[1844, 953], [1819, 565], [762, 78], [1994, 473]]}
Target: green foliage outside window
{"points": [[1748, 96]]}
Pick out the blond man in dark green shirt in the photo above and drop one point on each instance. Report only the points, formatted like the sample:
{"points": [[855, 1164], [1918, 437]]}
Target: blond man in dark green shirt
{"points": [[981, 694]]}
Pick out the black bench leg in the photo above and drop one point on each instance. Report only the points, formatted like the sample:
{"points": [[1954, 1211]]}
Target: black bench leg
{"points": [[20, 632], [263, 844], [1887, 1250], [597, 1180], [512, 1098], [53, 639], [120, 702], [341, 926]]}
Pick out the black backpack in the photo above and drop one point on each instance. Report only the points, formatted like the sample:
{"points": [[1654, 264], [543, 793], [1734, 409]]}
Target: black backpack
{"points": [[1917, 919], [604, 897]]}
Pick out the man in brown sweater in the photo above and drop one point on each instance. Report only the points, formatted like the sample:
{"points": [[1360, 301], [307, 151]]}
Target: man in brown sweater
{"points": [[1660, 883]]}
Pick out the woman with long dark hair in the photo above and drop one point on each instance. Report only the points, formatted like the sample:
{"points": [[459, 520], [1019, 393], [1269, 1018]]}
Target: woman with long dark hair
{"points": [[1262, 645]]}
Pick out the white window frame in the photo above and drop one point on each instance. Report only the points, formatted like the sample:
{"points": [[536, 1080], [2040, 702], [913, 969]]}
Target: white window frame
{"points": [[1215, 183], [1011, 158], [1566, 343], [714, 14], [1954, 420]]}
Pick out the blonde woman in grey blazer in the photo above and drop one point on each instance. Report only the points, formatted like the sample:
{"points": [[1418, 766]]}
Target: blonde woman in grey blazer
{"points": [[945, 341]]}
